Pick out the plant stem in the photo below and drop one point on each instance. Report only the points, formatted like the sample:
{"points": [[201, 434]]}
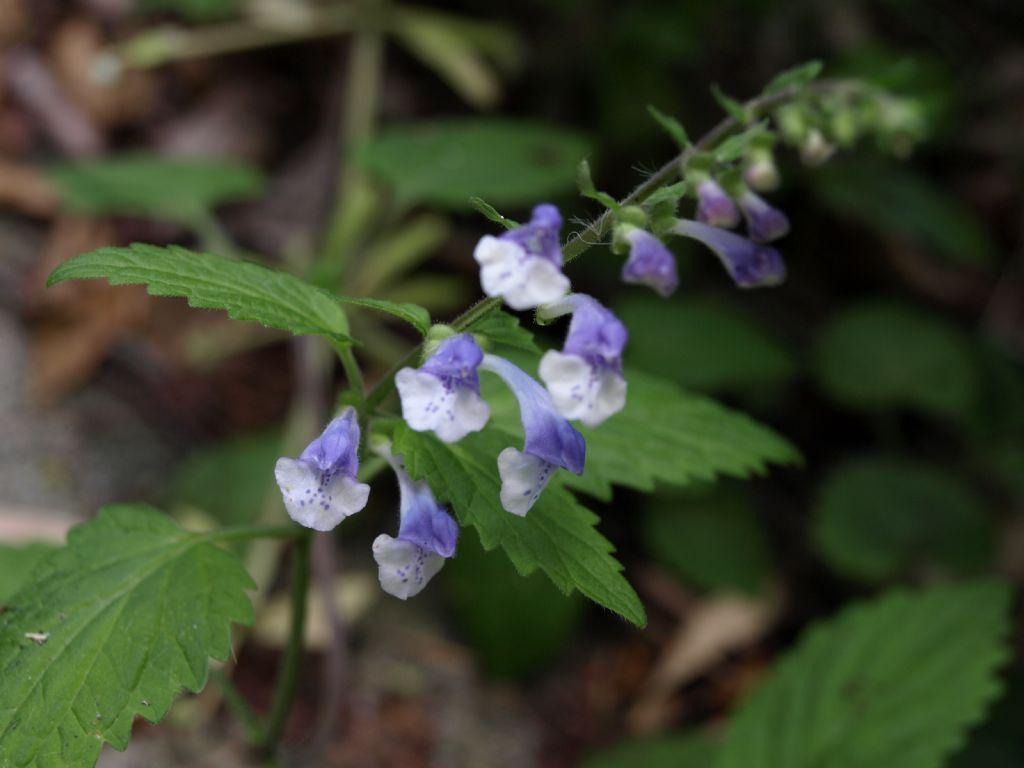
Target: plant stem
{"points": [[238, 705], [593, 233], [288, 677]]}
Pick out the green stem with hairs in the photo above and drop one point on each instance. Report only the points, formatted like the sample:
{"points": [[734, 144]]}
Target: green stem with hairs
{"points": [[593, 233]]}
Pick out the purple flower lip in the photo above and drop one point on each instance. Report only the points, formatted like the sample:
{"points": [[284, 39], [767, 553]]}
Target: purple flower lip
{"points": [[456, 362], [650, 263], [715, 207], [750, 264], [540, 235], [595, 333], [764, 223]]}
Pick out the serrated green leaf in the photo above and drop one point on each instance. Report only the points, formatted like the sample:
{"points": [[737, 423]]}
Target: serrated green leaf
{"points": [[503, 329], [245, 290], [688, 750], [17, 565], [896, 682], [122, 618], [444, 163], [494, 627], [670, 125], [710, 346], [731, 106], [152, 186], [876, 516], [668, 435], [796, 77], [880, 354], [901, 202], [713, 540], [557, 536]]}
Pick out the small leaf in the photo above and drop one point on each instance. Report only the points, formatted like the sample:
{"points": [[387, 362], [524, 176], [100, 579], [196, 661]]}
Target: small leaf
{"points": [[585, 183], [731, 106], [882, 354], [247, 291], [482, 206], [413, 314], [151, 186], [892, 682], [17, 566], [499, 327], [130, 611], [557, 536], [796, 77], [877, 516], [688, 750], [671, 193], [444, 163], [671, 126]]}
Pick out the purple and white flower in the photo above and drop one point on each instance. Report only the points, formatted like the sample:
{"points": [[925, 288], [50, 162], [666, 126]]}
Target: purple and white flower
{"points": [[585, 378], [524, 265], [650, 263], [320, 488], [764, 223], [714, 206], [551, 441], [427, 535], [443, 395], [750, 264]]}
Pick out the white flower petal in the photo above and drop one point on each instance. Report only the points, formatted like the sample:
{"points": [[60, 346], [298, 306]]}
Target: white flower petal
{"points": [[317, 506], [523, 478], [429, 406], [539, 282], [580, 392], [404, 567], [500, 264]]}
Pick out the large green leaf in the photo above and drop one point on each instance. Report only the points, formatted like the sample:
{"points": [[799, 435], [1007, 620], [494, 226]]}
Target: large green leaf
{"points": [[879, 515], [879, 354], [18, 564], [445, 163], [115, 625], [501, 328], [707, 346], [557, 536], [893, 682], [664, 434], [151, 186], [247, 291]]}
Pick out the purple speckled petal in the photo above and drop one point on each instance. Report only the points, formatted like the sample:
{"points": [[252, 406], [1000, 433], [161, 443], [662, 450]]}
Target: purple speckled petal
{"points": [[715, 207], [423, 521], [650, 263], [549, 436], [750, 264], [456, 362], [336, 449], [540, 236], [764, 223]]}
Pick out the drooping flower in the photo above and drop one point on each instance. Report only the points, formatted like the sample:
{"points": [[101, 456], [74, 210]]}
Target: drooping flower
{"points": [[443, 395], [714, 206], [585, 378], [764, 223], [650, 263], [750, 264], [551, 441], [524, 265], [427, 535], [320, 488], [815, 148]]}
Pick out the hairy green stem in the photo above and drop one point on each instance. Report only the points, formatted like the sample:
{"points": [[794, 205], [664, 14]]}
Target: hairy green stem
{"points": [[288, 677], [593, 233]]}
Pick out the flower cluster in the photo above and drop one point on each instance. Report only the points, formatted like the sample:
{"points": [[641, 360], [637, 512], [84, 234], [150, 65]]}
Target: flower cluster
{"points": [[583, 381]]}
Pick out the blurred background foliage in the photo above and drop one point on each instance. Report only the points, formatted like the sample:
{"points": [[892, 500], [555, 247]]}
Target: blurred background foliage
{"points": [[891, 358]]}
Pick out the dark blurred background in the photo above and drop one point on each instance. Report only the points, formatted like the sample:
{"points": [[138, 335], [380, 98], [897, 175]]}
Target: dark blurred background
{"points": [[891, 358]]}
